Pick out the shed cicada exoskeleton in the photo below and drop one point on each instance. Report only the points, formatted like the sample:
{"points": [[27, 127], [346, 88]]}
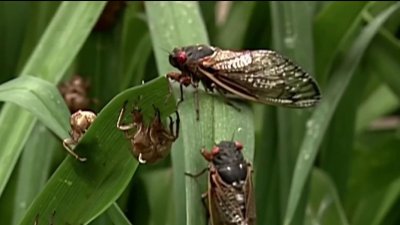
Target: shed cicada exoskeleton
{"points": [[80, 122], [152, 142]]}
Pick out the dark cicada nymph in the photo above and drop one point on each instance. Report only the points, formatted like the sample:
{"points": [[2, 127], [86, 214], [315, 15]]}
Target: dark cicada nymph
{"points": [[76, 93], [262, 76], [229, 199], [150, 143], [80, 122], [110, 15]]}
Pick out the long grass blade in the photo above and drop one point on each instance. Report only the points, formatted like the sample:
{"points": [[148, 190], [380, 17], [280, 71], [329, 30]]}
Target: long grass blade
{"points": [[318, 123]]}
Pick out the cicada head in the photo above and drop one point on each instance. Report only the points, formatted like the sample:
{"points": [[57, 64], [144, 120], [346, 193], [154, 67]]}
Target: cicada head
{"points": [[183, 57], [228, 159]]}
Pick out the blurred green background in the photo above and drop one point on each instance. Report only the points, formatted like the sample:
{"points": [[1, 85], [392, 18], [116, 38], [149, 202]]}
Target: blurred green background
{"points": [[337, 163]]}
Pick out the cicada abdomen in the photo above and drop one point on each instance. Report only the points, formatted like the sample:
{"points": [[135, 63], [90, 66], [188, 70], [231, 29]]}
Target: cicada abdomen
{"points": [[261, 76], [230, 197]]}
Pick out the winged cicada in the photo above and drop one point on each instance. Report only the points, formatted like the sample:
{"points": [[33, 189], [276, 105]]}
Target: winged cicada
{"points": [[261, 76], [152, 142], [230, 198]]}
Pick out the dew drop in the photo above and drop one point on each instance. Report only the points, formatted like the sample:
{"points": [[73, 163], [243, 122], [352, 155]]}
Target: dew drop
{"points": [[306, 156], [68, 182], [22, 205], [289, 42]]}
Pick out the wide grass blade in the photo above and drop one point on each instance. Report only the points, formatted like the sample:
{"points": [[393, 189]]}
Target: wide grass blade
{"points": [[318, 123], [179, 24], [79, 192], [34, 169], [42, 99]]}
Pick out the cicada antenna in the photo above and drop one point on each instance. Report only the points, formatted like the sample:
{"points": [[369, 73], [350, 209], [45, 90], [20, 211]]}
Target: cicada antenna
{"points": [[234, 132], [164, 50]]}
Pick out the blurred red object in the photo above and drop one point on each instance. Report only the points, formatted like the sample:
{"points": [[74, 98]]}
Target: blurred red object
{"points": [[109, 16]]}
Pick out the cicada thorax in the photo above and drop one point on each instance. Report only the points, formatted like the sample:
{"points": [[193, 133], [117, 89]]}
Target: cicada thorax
{"points": [[230, 194], [150, 142], [261, 76]]}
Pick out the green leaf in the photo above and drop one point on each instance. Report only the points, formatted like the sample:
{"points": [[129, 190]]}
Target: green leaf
{"points": [[41, 98], [319, 122], [380, 102], [292, 37], [324, 205], [79, 192], [375, 208], [117, 216], [237, 23], [381, 59], [266, 167], [12, 35], [34, 168], [329, 46], [374, 167], [179, 24], [50, 59]]}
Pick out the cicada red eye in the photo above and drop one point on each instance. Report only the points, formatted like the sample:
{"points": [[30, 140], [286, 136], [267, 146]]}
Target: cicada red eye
{"points": [[238, 145], [215, 150], [181, 57]]}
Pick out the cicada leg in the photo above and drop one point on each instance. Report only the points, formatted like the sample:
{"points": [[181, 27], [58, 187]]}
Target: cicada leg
{"points": [[120, 125], [197, 174], [67, 143], [226, 100]]}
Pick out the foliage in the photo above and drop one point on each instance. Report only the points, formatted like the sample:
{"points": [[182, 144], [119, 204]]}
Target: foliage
{"points": [[334, 164]]}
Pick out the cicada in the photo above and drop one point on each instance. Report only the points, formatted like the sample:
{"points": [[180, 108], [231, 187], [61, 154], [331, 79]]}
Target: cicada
{"points": [[80, 122], [262, 76], [76, 93], [150, 143], [230, 197]]}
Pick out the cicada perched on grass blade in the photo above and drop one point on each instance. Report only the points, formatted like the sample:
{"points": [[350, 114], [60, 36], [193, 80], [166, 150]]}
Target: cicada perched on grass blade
{"points": [[261, 76], [230, 198]]}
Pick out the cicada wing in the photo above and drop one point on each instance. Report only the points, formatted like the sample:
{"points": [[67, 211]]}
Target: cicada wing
{"points": [[212, 203], [250, 200], [263, 76], [226, 202]]}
